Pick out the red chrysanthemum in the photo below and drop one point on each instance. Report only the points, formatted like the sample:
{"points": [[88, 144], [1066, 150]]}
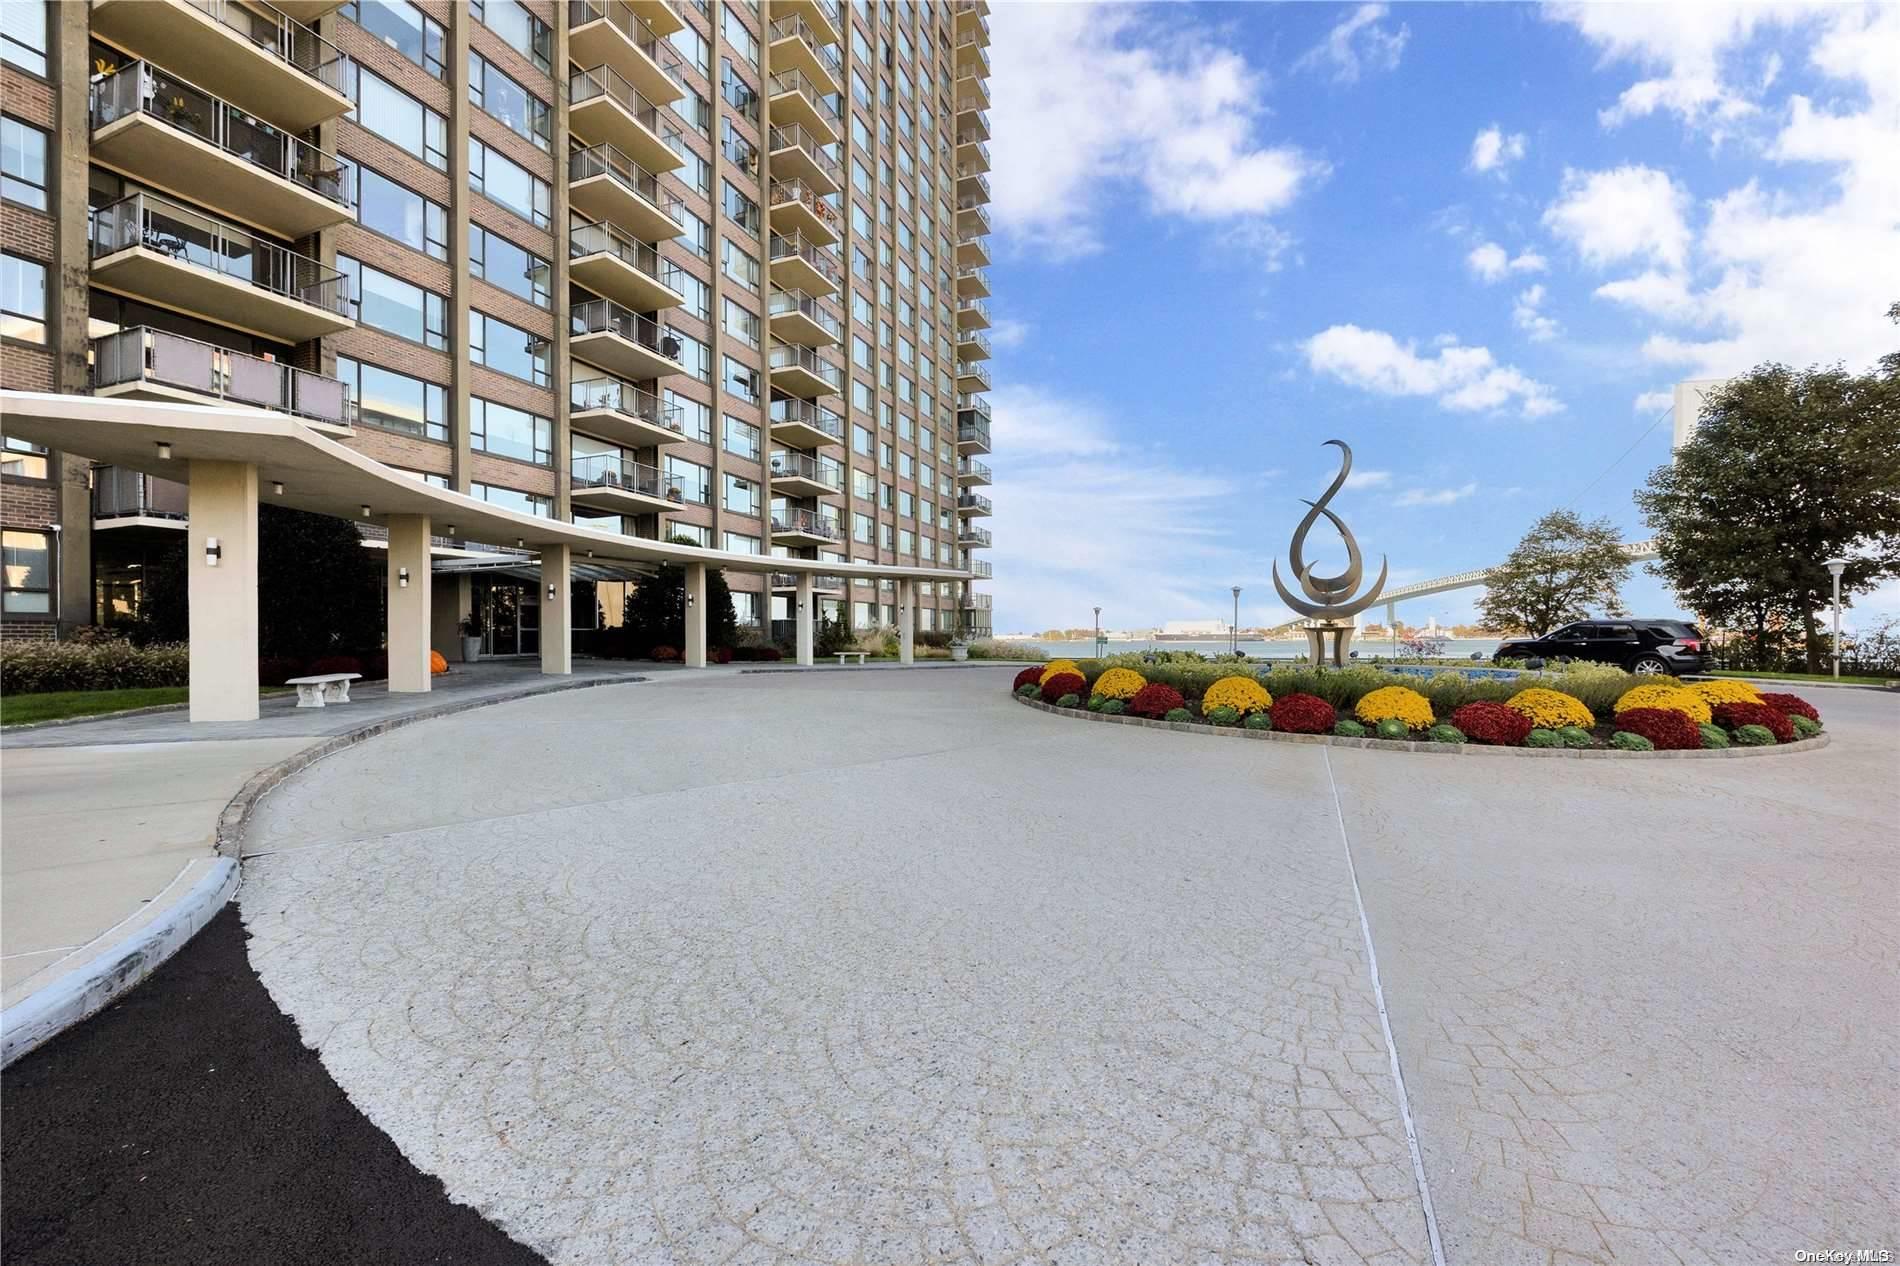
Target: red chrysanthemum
{"points": [[1030, 676], [1665, 728], [1156, 699], [1733, 716], [1792, 705], [1492, 724], [1063, 684], [1302, 714]]}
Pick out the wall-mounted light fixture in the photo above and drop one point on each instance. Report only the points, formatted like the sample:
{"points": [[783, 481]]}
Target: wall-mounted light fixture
{"points": [[402, 577], [366, 510], [520, 543], [552, 592], [451, 528], [689, 599], [213, 551], [277, 487], [164, 451]]}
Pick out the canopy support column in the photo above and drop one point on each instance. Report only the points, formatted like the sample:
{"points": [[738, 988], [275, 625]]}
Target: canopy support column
{"points": [[221, 589], [557, 610], [410, 605], [805, 601], [695, 615], [906, 621]]}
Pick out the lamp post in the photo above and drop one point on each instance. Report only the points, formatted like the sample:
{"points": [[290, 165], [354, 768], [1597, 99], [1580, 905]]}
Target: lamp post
{"points": [[1835, 566], [1098, 632], [1233, 631]]}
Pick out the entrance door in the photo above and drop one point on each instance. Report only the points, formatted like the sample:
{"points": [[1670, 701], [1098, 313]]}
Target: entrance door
{"points": [[512, 624]]}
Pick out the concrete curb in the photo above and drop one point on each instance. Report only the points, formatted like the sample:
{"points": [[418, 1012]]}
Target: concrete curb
{"points": [[1424, 749], [1892, 687], [26, 726], [158, 931]]}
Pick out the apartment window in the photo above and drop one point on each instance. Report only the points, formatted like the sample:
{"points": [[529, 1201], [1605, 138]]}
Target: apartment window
{"points": [[860, 91], [860, 263], [401, 213], [697, 112], [23, 43], [22, 299], [400, 119], [860, 352], [20, 460], [905, 466], [861, 440], [741, 496], [698, 295], [514, 499], [517, 109], [742, 96], [391, 401], [691, 45], [404, 28], [904, 427], [741, 437], [396, 306], [515, 269], [863, 486], [863, 528], [740, 209], [694, 533], [506, 348], [695, 355], [28, 558], [883, 456], [695, 417], [742, 380], [695, 480], [738, 265], [510, 432], [520, 29], [906, 505], [861, 310], [885, 537], [742, 543], [22, 164], [508, 183], [733, 27], [695, 233], [886, 496], [695, 172], [906, 541], [741, 324], [860, 396], [741, 151]]}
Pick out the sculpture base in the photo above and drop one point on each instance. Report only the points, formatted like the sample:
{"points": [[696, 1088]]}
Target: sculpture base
{"points": [[1316, 642]]}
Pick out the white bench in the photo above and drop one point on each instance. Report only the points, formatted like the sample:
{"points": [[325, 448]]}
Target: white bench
{"points": [[324, 688], [842, 654]]}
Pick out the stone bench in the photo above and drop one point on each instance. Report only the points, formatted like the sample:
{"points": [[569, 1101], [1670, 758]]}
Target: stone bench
{"points": [[843, 654], [324, 688]]}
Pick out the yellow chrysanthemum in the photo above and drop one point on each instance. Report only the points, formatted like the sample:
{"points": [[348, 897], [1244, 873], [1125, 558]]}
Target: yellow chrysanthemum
{"points": [[1406, 704], [1119, 683], [1723, 690], [1243, 694], [1551, 709], [1059, 666], [1675, 698]]}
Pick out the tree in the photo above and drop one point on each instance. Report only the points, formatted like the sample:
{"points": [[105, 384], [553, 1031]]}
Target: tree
{"points": [[656, 613], [1787, 469], [319, 592], [1562, 568]]}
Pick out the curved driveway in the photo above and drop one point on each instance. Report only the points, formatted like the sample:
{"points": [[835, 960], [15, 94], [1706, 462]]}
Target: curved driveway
{"points": [[879, 967]]}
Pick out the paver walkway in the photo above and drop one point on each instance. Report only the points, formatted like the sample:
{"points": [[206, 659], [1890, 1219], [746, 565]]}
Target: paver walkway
{"points": [[815, 968]]}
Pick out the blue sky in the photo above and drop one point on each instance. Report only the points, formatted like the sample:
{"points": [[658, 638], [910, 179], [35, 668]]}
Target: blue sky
{"points": [[1479, 243]]}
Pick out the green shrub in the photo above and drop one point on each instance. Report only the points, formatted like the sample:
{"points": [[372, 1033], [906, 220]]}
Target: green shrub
{"points": [[1624, 741], [1095, 703], [1258, 721], [990, 648], [1543, 738], [1348, 728], [1393, 728], [1598, 686], [1223, 716], [1804, 727], [1178, 714], [1029, 691], [1068, 701], [28, 668], [1754, 736], [1446, 734], [1575, 736], [1112, 707], [1714, 737]]}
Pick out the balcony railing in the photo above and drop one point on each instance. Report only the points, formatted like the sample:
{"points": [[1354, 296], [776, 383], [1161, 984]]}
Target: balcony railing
{"points": [[624, 398], [974, 431], [970, 51], [973, 601], [973, 501], [794, 27], [970, 138], [785, 192], [792, 356], [967, 535], [142, 354], [118, 493], [795, 246], [792, 412], [815, 93], [975, 371], [978, 568], [608, 470], [285, 38], [609, 239], [604, 316], [191, 237], [971, 174], [975, 405], [977, 306], [141, 88], [969, 466], [970, 338], [605, 81], [809, 522], [606, 160], [789, 580], [792, 136], [804, 466], [637, 29], [798, 303]]}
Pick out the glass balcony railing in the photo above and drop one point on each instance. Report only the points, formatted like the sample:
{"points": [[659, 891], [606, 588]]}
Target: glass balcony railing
{"points": [[973, 601], [971, 339], [977, 178], [967, 535], [973, 501], [609, 470], [190, 237], [145, 355], [118, 493], [978, 568], [606, 160], [970, 468], [625, 399], [971, 59], [792, 136], [638, 30], [796, 246], [794, 27], [604, 81], [785, 356], [807, 523], [976, 375], [974, 404], [968, 138], [798, 303], [608, 239], [976, 306], [816, 94], [974, 431], [789, 580], [141, 88], [787, 465], [603, 316], [790, 412], [285, 38]]}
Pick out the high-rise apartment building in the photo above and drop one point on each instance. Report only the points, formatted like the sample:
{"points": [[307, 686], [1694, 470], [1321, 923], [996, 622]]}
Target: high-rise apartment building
{"points": [[699, 268]]}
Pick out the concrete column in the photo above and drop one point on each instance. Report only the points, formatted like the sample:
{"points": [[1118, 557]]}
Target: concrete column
{"points": [[906, 621], [695, 647], [409, 606], [805, 601], [223, 600], [557, 609]]}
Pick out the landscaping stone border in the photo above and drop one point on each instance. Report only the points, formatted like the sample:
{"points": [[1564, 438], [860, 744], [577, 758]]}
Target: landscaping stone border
{"points": [[1423, 748]]}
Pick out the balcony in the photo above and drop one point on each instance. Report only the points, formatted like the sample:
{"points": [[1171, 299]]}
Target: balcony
{"points": [[124, 498], [974, 601], [972, 251], [165, 132], [259, 60], [804, 424], [972, 472], [803, 475], [785, 580], [797, 264], [798, 154], [972, 283], [797, 101], [622, 414], [309, 10], [798, 45], [972, 119], [802, 372], [604, 109], [973, 432], [793, 526], [978, 568], [972, 218], [971, 537], [622, 341], [973, 504], [823, 16], [797, 317], [606, 481], [146, 364], [972, 153], [972, 15], [611, 263], [972, 346], [971, 93], [971, 57], [973, 314], [604, 184], [972, 185], [972, 377], [612, 33], [797, 210], [151, 248]]}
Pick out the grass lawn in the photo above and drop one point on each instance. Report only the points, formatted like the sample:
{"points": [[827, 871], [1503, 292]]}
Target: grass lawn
{"points": [[1843, 679], [58, 705]]}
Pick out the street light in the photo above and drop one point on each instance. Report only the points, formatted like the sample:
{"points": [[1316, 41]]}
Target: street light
{"points": [[1098, 632], [1233, 631], [1835, 566]]}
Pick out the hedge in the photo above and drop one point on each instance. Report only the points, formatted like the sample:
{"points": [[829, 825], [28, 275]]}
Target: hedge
{"points": [[31, 668]]}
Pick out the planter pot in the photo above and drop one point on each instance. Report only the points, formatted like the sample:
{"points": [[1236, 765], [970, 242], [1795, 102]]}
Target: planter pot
{"points": [[959, 652], [471, 649]]}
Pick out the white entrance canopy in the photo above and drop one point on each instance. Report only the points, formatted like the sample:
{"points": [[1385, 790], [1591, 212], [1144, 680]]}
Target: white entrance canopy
{"points": [[233, 457]]}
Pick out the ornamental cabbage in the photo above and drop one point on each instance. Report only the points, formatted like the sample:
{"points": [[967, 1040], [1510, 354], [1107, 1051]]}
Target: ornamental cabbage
{"points": [[1624, 741], [1348, 728], [1257, 721]]}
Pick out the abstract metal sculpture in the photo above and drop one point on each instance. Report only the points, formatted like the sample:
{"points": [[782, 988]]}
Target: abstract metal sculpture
{"points": [[1333, 603]]}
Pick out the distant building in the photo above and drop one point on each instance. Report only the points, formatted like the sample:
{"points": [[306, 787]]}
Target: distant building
{"points": [[1194, 628], [1689, 399]]}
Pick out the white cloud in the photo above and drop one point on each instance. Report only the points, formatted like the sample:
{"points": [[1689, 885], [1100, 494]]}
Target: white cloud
{"points": [[1183, 127], [1625, 213], [1491, 262], [1368, 478], [1042, 425], [1006, 332], [1358, 43], [1440, 497], [1657, 293], [1461, 379], [1654, 401], [1493, 149], [1526, 315]]}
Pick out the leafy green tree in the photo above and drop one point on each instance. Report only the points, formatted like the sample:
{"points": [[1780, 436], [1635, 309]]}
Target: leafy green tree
{"points": [[656, 613], [319, 592], [1786, 469], [1562, 568]]}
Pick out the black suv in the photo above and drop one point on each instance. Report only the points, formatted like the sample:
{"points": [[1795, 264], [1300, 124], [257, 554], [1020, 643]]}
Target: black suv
{"points": [[1640, 646]]}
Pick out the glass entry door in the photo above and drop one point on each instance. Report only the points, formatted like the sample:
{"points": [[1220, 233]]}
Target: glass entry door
{"points": [[512, 618]]}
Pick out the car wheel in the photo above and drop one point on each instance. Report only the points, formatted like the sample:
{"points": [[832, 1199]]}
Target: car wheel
{"points": [[1648, 666]]}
